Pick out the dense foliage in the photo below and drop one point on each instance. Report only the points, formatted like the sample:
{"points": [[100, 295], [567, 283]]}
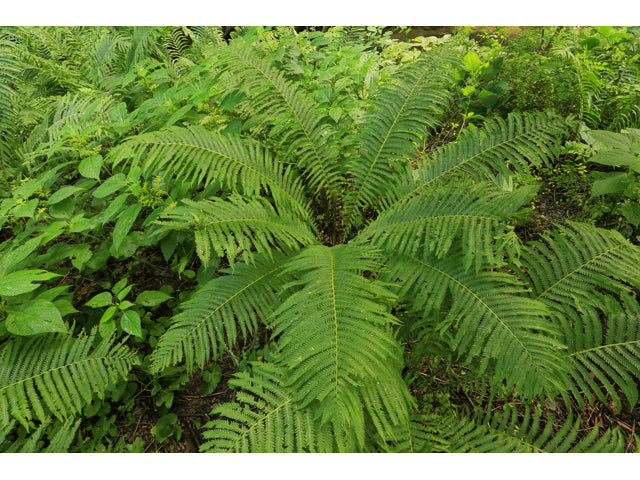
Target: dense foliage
{"points": [[320, 240]]}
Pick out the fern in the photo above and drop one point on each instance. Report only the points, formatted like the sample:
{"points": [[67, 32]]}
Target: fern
{"points": [[264, 419], [57, 375], [505, 432], [402, 111], [491, 317], [210, 320], [569, 273], [230, 226]]}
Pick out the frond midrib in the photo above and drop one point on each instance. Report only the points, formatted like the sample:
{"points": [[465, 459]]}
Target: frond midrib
{"points": [[299, 121], [374, 226], [65, 366], [606, 346], [187, 331], [487, 307], [583, 265], [383, 143], [258, 422]]}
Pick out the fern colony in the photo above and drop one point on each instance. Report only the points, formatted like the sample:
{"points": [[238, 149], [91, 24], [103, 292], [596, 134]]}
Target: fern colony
{"points": [[322, 235]]}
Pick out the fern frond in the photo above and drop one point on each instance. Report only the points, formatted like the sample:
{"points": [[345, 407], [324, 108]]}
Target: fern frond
{"points": [[516, 142], [264, 418], [585, 275], [402, 111], [201, 157], [236, 226], [334, 336], [431, 223], [225, 306], [506, 432], [491, 316], [299, 130], [57, 374]]}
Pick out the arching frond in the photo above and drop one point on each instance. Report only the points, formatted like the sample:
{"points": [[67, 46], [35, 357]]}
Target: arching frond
{"points": [[200, 157], [585, 276], [501, 145], [57, 375], [493, 320], [334, 336], [225, 306], [265, 419], [235, 227], [402, 111], [433, 221], [297, 126], [51, 436], [506, 432]]}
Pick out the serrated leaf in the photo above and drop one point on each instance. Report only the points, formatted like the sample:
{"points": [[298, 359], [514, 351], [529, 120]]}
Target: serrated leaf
{"points": [[34, 317], [17, 283], [151, 298]]}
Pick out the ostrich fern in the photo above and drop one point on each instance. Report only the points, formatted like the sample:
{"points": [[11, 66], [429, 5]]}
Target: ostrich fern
{"points": [[326, 248]]}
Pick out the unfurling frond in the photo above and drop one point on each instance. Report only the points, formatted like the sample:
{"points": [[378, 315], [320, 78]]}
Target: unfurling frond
{"points": [[264, 418], [402, 111], [235, 227], [491, 317], [334, 336], [225, 306], [430, 223], [57, 375]]}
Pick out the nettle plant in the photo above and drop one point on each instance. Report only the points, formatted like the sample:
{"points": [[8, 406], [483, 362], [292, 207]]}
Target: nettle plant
{"points": [[328, 248]]}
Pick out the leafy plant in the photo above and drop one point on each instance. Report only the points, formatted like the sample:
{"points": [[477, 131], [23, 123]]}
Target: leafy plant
{"points": [[330, 254]]}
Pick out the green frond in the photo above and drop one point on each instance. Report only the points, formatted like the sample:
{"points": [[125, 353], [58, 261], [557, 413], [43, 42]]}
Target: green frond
{"points": [[518, 141], [334, 336], [507, 432], [418, 434], [57, 375], [402, 111], [201, 157], [297, 127], [51, 436], [235, 226], [225, 306], [265, 419], [433, 221], [585, 276], [605, 354], [491, 317]]}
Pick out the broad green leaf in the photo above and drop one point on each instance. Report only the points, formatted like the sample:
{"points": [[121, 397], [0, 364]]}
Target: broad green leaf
{"points": [[613, 182], [108, 314], [124, 224], [611, 139], [130, 323], [124, 292], [90, 166], [34, 317], [63, 193], [110, 185], [631, 211], [151, 298], [26, 210], [13, 257], [114, 207], [615, 158], [80, 254], [100, 300], [472, 61], [17, 283]]}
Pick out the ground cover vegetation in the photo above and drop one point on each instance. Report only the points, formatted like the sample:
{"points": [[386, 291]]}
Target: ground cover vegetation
{"points": [[319, 239]]}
